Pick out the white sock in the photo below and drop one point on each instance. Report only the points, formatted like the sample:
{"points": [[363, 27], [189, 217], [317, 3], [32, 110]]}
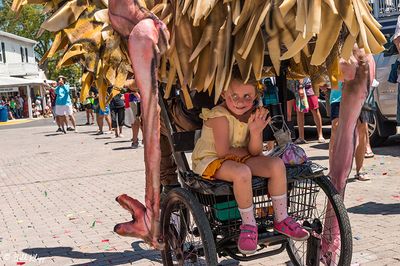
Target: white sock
{"points": [[248, 215], [279, 203]]}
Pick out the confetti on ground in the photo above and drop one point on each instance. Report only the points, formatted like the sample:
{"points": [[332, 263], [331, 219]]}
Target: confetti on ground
{"points": [[93, 224], [384, 173], [357, 238], [397, 197], [106, 247], [71, 218], [105, 240], [56, 236], [82, 211], [360, 199], [45, 193], [20, 262], [20, 221]]}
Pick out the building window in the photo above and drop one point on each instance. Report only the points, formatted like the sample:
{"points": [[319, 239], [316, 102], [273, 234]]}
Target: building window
{"points": [[22, 54], [26, 54], [3, 53]]}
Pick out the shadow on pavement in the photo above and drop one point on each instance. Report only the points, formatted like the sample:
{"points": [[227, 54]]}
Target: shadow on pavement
{"points": [[54, 134], [87, 132], [97, 258], [122, 148], [44, 132], [392, 150], [321, 146], [317, 158], [376, 208], [117, 141], [81, 125]]}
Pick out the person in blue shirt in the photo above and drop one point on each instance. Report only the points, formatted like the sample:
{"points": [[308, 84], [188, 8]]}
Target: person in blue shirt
{"points": [[64, 104]]}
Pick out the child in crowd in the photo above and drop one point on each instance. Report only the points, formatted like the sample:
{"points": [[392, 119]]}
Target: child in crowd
{"points": [[230, 149]]}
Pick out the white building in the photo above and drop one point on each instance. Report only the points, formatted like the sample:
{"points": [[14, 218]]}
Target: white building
{"points": [[19, 72]]}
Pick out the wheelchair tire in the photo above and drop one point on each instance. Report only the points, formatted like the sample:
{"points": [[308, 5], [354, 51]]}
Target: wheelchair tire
{"points": [[307, 252], [186, 231]]}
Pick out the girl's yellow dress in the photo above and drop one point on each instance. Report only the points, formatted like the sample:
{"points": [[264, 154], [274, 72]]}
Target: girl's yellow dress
{"points": [[205, 161]]}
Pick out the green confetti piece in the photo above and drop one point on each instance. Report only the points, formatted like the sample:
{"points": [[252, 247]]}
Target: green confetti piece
{"points": [[93, 224], [45, 193], [106, 247]]}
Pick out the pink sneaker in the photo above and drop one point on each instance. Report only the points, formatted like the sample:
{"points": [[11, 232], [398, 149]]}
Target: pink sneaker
{"points": [[289, 227], [247, 243]]}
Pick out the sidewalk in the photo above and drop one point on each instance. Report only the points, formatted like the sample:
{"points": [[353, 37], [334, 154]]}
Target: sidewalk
{"points": [[57, 201]]}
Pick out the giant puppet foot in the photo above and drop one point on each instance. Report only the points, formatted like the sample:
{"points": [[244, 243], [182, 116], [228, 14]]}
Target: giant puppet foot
{"points": [[141, 221]]}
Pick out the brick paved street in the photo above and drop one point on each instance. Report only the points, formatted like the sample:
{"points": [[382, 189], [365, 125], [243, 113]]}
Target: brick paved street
{"points": [[57, 202]]}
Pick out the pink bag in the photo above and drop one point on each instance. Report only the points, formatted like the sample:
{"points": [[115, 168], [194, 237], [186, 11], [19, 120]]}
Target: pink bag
{"points": [[290, 154]]}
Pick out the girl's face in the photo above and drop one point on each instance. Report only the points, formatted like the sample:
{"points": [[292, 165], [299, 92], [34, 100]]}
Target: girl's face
{"points": [[239, 97]]}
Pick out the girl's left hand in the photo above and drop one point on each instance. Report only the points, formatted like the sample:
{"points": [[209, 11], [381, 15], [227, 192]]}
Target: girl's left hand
{"points": [[258, 120]]}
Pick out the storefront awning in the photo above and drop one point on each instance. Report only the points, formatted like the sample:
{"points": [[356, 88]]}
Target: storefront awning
{"points": [[6, 82]]}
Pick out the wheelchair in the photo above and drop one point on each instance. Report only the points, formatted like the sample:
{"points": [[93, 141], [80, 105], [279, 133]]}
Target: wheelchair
{"points": [[200, 220]]}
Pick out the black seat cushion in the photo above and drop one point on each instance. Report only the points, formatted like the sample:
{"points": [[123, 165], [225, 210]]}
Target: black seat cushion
{"points": [[200, 185]]}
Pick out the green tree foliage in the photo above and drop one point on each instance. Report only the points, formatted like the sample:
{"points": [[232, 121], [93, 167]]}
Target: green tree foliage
{"points": [[27, 24]]}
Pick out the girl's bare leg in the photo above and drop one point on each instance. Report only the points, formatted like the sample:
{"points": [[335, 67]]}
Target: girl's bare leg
{"points": [[272, 168], [240, 175]]}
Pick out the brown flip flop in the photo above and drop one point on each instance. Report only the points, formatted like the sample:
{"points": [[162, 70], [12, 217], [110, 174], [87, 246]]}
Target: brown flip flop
{"points": [[361, 177], [369, 155]]}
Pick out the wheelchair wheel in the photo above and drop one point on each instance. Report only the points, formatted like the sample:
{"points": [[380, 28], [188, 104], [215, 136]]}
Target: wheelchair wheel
{"points": [[186, 230], [317, 204]]}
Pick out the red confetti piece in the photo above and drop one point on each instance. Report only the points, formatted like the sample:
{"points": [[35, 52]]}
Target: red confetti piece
{"points": [[105, 240], [396, 197], [20, 262], [56, 237]]}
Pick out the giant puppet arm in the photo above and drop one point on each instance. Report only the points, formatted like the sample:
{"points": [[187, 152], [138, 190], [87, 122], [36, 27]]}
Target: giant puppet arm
{"points": [[355, 90], [147, 40], [358, 74]]}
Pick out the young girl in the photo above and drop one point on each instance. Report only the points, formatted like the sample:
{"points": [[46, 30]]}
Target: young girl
{"points": [[230, 149]]}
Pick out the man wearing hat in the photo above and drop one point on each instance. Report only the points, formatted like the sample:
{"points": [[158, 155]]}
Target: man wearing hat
{"points": [[64, 104]]}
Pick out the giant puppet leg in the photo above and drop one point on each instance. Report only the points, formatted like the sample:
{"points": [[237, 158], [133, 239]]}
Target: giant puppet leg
{"points": [[354, 93], [148, 39]]}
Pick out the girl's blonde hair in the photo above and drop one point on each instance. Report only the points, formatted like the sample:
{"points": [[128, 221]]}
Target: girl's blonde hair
{"points": [[236, 75]]}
